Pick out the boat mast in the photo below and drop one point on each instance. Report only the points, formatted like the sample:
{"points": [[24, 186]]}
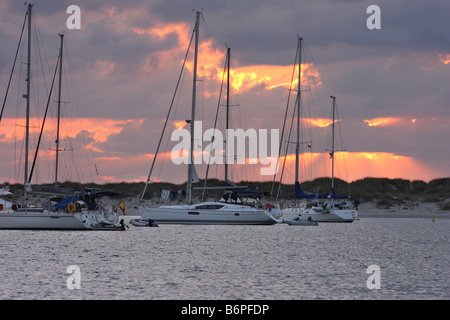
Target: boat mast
{"points": [[194, 89], [332, 147], [59, 109], [27, 96], [228, 112], [297, 148]]}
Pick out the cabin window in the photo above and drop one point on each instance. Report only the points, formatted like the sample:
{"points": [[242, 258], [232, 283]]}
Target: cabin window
{"points": [[209, 206], [193, 212]]}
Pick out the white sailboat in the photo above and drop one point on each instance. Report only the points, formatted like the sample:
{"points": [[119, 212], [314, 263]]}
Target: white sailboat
{"points": [[50, 218], [320, 207], [217, 212]]}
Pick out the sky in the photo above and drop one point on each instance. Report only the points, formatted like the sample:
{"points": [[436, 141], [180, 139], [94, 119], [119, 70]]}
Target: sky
{"points": [[121, 67]]}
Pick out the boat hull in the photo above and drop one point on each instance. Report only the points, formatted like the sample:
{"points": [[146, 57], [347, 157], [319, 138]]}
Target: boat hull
{"points": [[229, 214], [40, 221]]}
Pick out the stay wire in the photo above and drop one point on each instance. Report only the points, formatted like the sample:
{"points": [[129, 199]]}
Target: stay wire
{"points": [[43, 122], [14, 64], [168, 114]]}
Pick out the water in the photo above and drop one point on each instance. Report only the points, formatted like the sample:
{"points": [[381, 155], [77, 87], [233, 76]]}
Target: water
{"points": [[277, 262]]}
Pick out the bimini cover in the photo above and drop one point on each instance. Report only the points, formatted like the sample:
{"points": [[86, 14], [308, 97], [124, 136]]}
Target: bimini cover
{"points": [[234, 195]]}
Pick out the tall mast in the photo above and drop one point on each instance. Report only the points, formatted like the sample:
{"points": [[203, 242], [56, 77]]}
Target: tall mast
{"points": [[297, 148], [332, 146], [228, 111], [27, 126], [59, 110], [194, 89]]}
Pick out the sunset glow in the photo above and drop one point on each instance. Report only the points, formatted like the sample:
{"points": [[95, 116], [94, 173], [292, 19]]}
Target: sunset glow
{"points": [[381, 121], [179, 124], [123, 70], [351, 166], [444, 57], [100, 129], [245, 78], [320, 122]]}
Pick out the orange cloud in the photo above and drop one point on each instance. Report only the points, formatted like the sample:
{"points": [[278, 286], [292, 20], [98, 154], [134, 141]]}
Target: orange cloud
{"points": [[388, 121], [99, 128], [161, 31], [382, 121], [179, 124], [271, 76], [319, 122], [210, 61], [444, 57], [104, 67]]}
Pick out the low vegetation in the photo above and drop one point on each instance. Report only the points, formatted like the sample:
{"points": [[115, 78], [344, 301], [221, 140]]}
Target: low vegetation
{"points": [[381, 191]]}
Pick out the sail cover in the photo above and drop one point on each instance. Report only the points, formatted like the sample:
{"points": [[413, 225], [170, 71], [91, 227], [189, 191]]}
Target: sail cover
{"points": [[87, 197], [336, 196], [300, 194]]}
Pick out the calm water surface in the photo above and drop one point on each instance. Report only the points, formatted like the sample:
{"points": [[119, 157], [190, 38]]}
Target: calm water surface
{"points": [[277, 262]]}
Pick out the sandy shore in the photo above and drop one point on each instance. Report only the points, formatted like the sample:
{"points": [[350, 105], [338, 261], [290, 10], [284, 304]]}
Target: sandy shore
{"points": [[421, 210]]}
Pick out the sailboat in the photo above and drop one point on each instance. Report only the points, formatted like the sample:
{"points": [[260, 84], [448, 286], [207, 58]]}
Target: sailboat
{"points": [[214, 212], [320, 207], [68, 217]]}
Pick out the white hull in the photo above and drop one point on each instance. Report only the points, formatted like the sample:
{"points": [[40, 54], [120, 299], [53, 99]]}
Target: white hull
{"points": [[333, 215], [205, 213], [45, 220], [42, 221]]}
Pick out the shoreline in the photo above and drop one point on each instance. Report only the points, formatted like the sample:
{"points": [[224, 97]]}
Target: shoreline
{"points": [[421, 210], [424, 210]]}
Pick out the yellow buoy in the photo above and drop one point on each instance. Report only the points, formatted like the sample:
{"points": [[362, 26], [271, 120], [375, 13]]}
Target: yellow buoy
{"points": [[433, 220]]}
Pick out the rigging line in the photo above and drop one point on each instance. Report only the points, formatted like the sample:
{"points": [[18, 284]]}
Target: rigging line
{"points": [[43, 122], [310, 57], [14, 64], [215, 125], [40, 43], [342, 147], [174, 114], [286, 152], [78, 103], [19, 144], [38, 53], [168, 114], [284, 121]]}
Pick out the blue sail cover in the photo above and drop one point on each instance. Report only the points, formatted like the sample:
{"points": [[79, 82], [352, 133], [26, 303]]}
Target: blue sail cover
{"points": [[87, 197], [299, 194], [336, 196]]}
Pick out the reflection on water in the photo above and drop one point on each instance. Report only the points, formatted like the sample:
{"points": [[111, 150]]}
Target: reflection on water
{"points": [[277, 262]]}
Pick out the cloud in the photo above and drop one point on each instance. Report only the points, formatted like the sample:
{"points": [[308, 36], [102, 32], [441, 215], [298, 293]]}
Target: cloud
{"points": [[125, 61]]}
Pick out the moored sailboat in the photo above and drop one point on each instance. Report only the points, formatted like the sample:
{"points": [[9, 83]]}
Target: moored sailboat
{"points": [[217, 212], [68, 217], [317, 207]]}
